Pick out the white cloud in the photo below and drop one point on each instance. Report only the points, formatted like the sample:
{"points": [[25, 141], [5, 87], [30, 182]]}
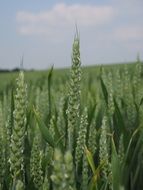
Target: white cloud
{"points": [[63, 16]]}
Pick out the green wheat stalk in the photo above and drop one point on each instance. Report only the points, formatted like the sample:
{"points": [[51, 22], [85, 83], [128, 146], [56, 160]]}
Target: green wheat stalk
{"points": [[17, 138], [74, 93]]}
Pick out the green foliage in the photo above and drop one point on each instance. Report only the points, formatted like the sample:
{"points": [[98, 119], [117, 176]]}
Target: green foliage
{"points": [[61, 132]]}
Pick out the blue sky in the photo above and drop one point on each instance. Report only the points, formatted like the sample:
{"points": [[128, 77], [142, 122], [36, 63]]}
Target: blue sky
{"points": [[42, 31]]}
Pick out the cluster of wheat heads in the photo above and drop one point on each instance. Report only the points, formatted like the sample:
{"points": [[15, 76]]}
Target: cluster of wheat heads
{"points": [[74, 138]]}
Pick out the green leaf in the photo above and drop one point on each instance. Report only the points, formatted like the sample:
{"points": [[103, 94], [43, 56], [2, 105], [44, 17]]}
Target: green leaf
{"points": [[49, 91], [90, 160], [44, 130], [134, 156], [119, 124], [12, 108], [130, 143], [104, 90], [96, 171], [58, 137], [116, 168], [120, 118], [131, 157]]}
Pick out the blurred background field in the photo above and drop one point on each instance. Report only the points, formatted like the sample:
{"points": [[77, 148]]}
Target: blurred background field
{"points": [[7, 78]]}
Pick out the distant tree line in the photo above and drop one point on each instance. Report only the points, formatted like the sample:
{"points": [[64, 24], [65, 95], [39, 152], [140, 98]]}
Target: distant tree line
{"points": [[13, 70]]}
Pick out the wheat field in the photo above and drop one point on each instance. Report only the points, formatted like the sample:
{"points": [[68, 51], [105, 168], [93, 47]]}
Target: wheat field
{"points": [[74, 131]]}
